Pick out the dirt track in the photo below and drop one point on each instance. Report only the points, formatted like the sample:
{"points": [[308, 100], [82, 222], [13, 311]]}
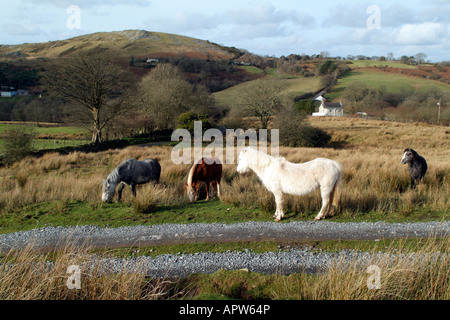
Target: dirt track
{"points": [[218, 233]]}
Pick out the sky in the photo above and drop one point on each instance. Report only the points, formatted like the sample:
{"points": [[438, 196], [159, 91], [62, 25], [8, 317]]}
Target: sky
{"points": [[264, 27]]}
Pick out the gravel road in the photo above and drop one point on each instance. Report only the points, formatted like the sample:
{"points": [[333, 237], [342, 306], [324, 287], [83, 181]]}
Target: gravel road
{"points": [[283, 261]]}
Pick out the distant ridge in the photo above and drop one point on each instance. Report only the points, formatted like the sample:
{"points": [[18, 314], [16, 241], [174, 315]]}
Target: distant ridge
{"points": [[126, 43]]}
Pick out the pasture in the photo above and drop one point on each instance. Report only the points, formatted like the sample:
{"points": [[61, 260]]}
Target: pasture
{"points": [[50, 135], [66, 189], [390, 82], [291, 85], [63, 190]]}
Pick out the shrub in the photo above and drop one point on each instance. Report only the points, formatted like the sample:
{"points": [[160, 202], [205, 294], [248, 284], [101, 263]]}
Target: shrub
{"points": [[295, 132], [305, 106], [17, 143], [186, 121]]}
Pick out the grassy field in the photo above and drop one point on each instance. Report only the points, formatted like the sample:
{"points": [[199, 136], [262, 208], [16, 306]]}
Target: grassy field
{"points": [[47, 130], [375, 63], [63, 190], [291, 84], [50, 135], [252, 70], [391, 82]]}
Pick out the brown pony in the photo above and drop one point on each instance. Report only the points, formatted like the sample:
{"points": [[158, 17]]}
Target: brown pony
{"points": [[209, 172]]}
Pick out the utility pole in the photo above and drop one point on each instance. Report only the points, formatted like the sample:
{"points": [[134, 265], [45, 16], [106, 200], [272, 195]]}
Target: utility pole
{"points": [[439, 110]]}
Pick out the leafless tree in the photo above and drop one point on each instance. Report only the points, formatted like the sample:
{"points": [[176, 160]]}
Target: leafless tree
{"points": [[164, 94], [262, 98], [420, 57], [98, 90]]}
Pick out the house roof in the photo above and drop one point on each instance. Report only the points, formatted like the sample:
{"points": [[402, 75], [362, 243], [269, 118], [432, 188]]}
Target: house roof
{"points": [[332, 105]]}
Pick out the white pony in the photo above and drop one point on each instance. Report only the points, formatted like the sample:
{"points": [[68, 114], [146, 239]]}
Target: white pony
{"points": [[281, 176]]}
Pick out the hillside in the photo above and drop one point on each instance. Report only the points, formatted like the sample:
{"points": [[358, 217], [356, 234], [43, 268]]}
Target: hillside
{"points": [[138, 43], [293, 86], [390, 81]]}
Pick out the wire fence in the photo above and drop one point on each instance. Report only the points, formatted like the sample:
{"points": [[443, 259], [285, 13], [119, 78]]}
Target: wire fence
{"points": [[42, 144]]}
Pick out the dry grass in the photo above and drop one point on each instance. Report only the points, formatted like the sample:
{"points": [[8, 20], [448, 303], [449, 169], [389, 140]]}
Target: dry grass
{"points": [[373, 178], [77, 176], [28, 274], [417, 271]]}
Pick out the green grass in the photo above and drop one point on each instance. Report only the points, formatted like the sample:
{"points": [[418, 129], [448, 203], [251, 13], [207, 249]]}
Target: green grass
{"points": [[292, 85], [391, 82], [47, 144], [333, 246], [43, 144], [252, 69], [191, 248], [52, 136], [71, 213], [373, 63], [44, 129]]}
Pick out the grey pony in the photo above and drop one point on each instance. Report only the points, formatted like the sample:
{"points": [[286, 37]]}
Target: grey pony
{"points": [[130, 172]]}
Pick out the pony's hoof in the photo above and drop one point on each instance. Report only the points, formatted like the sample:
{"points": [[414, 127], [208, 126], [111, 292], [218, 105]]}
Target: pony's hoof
{"points": [[277, 219]]}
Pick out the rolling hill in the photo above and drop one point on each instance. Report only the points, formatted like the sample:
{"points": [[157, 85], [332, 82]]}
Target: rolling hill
{"points": [[21, 65], [293, 86], [138, 43], [393, 82]]}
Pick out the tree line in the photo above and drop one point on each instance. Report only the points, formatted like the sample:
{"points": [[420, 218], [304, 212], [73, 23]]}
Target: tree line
{"points": [[99, 95]]}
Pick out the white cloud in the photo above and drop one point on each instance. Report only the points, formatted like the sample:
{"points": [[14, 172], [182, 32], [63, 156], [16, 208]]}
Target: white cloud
{"points": [[87, 3], [267, 13], [16, 29], [261, 21], [428, 33]]}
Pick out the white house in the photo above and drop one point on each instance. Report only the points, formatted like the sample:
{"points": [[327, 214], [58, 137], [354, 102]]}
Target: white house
{"points": [[7, 91], [329, 108]]}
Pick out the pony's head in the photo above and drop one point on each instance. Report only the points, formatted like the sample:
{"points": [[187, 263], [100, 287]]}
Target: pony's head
{"points": [[191, 192], [108, 190], [408, 155], [246, 159], [243, 165]]}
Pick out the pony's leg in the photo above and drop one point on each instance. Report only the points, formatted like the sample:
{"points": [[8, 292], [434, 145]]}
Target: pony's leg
{"points": [[208, 185], [330, 207], [279, 214], [218, 188], [119, 191], [133, 189], [325, 193], [413, 184], [215, 189], [212, 189]]}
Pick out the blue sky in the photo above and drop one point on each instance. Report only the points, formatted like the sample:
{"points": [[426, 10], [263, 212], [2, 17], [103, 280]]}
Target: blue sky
{"points": [[272, 28]]}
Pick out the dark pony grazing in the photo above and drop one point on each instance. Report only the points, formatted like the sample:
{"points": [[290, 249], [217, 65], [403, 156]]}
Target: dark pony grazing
{"points": [[417, 166], [207, 171], [131, 172]]}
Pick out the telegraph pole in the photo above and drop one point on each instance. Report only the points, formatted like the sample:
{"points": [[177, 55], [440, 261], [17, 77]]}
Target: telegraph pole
{"points": [[439, 110]]}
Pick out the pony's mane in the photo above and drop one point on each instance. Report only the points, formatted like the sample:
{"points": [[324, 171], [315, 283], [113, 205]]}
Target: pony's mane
{"points": [[260, 159], [114, 176], [191, 174]]}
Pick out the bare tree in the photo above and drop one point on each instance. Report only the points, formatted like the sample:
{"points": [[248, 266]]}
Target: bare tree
{"points": [[390, 56], [261, 98], [98, 89], [420, 57], [164, 94]]}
